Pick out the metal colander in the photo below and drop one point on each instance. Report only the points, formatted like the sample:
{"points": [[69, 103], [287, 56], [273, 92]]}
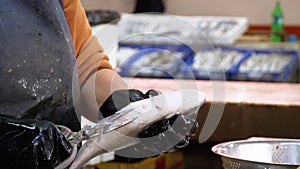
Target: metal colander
{"points": [[266, 153]]}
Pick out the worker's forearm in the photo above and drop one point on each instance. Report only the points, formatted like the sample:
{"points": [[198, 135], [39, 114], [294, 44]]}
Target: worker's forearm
{"points": [[97, 89], [106, 82]]}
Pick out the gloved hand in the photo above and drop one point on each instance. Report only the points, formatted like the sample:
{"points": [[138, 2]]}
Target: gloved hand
{"points": [[28, 143], [174, 132]]}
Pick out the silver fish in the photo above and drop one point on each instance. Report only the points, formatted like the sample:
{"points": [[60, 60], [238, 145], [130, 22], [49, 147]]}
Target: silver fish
{"points": [[145, 113]]}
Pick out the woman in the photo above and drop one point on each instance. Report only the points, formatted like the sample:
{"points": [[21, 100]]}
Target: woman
{"points": [[47, 50]]}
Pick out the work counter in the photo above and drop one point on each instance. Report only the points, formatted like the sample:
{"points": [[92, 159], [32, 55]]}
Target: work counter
{"points": [[238, 110]]}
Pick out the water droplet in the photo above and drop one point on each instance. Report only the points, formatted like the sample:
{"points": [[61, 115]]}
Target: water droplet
{"points": [[34, 95], [23, 82]]}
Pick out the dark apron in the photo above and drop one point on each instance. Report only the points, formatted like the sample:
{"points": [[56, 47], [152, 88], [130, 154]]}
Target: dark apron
{"points": [[37, 61]]}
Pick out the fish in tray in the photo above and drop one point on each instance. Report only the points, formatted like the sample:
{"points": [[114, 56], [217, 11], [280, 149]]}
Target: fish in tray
{"points": [[121, 130]]}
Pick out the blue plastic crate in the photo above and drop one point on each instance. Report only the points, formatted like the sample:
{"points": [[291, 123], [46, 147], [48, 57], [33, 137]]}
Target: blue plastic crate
{"points": [[137, 65], [267, 75], [205, 73]]}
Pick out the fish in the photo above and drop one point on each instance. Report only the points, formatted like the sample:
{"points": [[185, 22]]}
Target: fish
{"points": [[145, 113]]}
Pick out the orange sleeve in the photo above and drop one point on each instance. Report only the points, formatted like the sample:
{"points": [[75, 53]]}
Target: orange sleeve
{"points": [[89, 53]]}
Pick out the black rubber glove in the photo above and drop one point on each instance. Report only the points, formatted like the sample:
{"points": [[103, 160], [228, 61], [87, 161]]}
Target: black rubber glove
{"points": [[28, 143], [173, 133], [119, 99]]}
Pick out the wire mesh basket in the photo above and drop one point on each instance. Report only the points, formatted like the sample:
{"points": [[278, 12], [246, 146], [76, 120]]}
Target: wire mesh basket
{"points": [[260, 154]]}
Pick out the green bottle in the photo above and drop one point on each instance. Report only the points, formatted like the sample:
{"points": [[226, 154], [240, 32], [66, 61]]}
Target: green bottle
{"points": [[277, 27]]}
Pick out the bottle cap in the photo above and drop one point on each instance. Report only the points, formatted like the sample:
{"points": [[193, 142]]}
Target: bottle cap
{"points": [[292, 38]]}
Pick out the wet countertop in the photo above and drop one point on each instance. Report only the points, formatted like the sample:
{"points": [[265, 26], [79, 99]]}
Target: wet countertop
{"points": [[236, 109], [237, 92]]}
